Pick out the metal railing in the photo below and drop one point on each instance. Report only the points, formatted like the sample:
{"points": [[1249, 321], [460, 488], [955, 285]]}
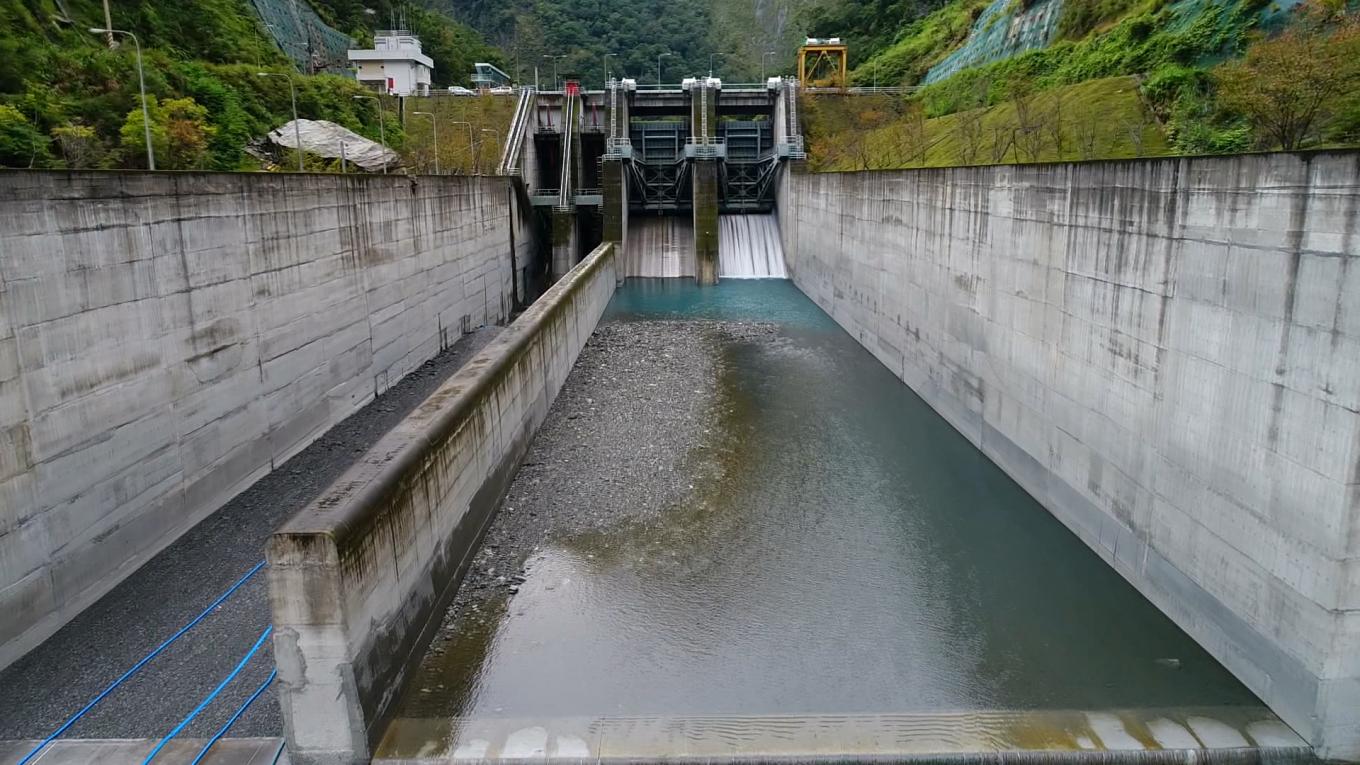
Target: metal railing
{"points": [[570, 107], [867, 90], [519, 127]]}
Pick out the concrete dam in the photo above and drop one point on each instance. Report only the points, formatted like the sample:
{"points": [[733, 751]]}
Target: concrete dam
{"points": [[656, 446]]}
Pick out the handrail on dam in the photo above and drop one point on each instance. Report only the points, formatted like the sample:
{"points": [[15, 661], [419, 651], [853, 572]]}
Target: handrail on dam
{"points": [[519, 126], [359, 580]]}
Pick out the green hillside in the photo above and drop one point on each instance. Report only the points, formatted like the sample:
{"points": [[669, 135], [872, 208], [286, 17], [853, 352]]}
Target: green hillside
{"points": [[1204, 76], [66, 100], [732, 35]]}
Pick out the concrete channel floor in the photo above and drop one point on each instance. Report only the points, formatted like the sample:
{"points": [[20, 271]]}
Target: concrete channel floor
{"points": [[43, 689]]}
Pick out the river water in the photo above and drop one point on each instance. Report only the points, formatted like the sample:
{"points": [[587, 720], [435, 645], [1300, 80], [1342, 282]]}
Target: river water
{"points": [[850, 556]]}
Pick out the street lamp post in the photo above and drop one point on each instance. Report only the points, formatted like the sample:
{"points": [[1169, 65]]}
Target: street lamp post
{"points": [[712, 56], [297, 129], [555, 59], [141, 84], [658, 68], [607, 56], [434, 146], [763, 57], [382, 131], [472, 149]]}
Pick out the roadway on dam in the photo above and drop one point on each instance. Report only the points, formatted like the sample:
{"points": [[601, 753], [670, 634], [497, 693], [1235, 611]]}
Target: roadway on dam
{"points": [[738, 534]]}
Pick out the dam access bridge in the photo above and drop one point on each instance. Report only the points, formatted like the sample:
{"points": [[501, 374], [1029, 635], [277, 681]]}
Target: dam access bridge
{"points": [[675, 156]]}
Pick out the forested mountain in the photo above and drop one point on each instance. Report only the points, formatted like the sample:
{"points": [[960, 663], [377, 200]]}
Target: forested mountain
{"points": [[688, 35]]}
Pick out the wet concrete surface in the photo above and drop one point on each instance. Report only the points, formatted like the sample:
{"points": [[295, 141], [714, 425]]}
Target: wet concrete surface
{"points": [[819, 543], [42, 690]]}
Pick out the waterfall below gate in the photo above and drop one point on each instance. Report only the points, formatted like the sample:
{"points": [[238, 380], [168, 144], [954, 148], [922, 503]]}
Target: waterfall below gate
{"points": [[750, 248]]}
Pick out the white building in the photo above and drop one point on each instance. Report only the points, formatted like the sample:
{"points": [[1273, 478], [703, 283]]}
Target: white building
{"points": [[395, 66]]}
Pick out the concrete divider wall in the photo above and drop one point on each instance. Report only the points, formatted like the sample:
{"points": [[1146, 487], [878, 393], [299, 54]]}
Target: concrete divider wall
{"points": [[1165, 353], [359, 580], [167, 339]]}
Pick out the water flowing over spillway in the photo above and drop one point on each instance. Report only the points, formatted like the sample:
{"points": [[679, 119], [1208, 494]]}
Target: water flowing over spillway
{"points": [[660, 246], [750, 248]]}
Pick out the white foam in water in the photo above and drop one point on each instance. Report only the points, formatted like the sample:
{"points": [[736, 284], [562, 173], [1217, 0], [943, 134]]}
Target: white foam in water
{"points": [[749, 248], [660, 246]]}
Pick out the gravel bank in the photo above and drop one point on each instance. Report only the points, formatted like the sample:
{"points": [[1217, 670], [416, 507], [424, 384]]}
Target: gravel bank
{"points": [[623, 442], [44, 688]]}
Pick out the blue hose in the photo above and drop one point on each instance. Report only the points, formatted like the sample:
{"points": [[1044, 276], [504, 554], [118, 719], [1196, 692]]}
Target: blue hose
{"points": [[211, 696], [242, 710], [145, 659]]}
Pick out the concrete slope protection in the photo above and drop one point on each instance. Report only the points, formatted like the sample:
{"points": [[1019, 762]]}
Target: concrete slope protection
{"points": [[168, 339], [1164, 353], [359, 580]]}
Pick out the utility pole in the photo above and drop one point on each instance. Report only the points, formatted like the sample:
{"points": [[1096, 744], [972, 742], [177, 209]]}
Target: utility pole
{"points": [[555, 60], [764, 56], [108, 24]]}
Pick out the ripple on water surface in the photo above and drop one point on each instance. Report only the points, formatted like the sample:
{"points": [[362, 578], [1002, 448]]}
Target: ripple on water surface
{"points": [[846, 553]]}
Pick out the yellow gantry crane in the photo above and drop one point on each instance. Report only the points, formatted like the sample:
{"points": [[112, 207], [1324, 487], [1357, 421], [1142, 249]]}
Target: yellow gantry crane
{"points": [[823, 63]]}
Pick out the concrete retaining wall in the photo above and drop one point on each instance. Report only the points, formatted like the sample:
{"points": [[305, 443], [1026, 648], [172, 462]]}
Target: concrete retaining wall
{"points": [[1165, 353], [359, 581], [167, 339]]}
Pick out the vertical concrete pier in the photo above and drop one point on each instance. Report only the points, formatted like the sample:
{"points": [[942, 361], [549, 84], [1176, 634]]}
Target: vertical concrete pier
{"points": [[615, 183], [705, 151], [564, 242]]}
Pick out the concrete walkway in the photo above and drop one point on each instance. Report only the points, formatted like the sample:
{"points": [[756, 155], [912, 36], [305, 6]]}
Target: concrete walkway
{"points": [[42, 690]]}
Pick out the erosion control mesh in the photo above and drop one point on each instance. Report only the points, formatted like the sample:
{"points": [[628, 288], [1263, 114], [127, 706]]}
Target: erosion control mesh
{"points": [[1004, 29], [313, 45]]}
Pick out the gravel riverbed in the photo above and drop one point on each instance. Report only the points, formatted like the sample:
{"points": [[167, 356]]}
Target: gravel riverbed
{"points": [[624, 441]]}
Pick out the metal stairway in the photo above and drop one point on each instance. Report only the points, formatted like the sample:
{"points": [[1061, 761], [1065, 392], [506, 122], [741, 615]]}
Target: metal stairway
{"points": [[571, 108], [519, 128]]}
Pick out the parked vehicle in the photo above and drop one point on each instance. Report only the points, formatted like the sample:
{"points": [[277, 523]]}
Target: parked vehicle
{"points": [[502, 90], [458, 90]]}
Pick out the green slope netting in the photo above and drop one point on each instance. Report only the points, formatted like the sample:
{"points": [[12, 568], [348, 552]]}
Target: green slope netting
{"points": [[304, 36], [1003, 30]]}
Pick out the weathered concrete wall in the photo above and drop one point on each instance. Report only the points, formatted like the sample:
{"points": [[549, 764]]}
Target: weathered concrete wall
{"points": [[360, 580], [707, 237], [1165, 353], [166, 339]]}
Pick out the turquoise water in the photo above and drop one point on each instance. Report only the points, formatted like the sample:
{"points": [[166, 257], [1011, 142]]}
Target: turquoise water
{"points": [[849, 553]]}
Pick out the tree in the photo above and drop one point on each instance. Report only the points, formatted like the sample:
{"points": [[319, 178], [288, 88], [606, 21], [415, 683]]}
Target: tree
{"points": [[180, 134], [1088, 137], [970, 136], [187, 134], [21, 145], [1287, 86], [80, 146]]}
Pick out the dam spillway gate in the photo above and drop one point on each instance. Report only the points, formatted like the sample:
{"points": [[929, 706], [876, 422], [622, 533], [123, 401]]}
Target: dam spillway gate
{"points": [[679, 157]]}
